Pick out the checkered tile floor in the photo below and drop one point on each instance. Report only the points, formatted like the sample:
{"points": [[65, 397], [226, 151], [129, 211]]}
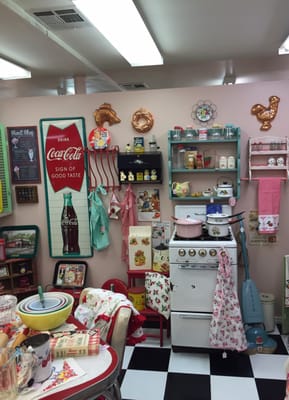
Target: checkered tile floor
{"points": [[153, 373]]}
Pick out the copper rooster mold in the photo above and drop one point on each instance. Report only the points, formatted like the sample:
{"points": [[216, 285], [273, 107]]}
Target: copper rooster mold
{"points": [[266, 115]]}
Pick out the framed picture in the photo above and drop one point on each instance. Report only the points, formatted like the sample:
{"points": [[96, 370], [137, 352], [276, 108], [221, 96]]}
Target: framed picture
{"points": [[148, 205], [20, 241], [24, 154], [70, 275], [66, 187], [3, 271]]}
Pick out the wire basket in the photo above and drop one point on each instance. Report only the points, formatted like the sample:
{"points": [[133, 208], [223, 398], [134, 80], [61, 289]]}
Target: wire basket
{"points": [[7, 308]]}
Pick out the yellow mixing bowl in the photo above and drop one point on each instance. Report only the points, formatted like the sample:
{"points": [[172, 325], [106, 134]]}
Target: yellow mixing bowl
{"points": [[46, 321]]}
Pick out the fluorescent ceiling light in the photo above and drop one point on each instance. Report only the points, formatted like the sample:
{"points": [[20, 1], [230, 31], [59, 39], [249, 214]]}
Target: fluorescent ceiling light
{"points": [[284, 48], [229, 80], [8, 70], [121, 24]]}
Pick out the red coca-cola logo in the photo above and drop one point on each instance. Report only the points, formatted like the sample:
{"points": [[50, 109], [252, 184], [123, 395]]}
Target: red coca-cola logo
{"points": [[64, 157]]}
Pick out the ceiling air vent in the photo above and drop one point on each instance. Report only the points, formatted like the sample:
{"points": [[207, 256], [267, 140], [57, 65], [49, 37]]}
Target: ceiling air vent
{"points": [[134, 86], [63, 18]]}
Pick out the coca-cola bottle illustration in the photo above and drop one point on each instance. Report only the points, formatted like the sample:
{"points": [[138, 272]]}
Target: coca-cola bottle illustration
{"points": [[69, 226]]}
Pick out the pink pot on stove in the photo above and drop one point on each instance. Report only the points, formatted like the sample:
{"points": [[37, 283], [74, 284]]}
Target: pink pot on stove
{"points": [[188, 228]]}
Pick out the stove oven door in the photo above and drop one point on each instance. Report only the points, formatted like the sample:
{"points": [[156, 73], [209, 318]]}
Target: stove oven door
{"points": [[193, 287], [190, 329]]}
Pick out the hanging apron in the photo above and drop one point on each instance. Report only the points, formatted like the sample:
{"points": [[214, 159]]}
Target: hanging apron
{"points": [[99, 222], [128, 218], [226, 327], [114, 207]]}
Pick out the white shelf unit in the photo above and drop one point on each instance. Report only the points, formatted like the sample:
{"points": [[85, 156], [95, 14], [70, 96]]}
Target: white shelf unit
{"points": [[268, 157]]}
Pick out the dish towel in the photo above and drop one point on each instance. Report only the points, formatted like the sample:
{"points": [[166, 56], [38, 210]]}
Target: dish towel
{"points": [[269, 205]]}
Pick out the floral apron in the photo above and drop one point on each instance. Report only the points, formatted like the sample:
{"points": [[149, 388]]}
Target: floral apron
{"points": [[226, 327]]}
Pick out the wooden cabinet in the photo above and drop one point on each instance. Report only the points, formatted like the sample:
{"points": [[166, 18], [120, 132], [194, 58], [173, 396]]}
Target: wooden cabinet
{"points": [[204, 163], [18, 276], [140, 167], [268, 157]]}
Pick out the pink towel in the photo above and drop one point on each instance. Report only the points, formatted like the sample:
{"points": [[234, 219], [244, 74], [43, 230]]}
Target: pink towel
{"points": [[269, 205]]}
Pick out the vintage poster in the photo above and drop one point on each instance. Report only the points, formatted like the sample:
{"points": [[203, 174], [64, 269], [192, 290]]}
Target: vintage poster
{"points": [[148, 205], [63, 142], [161, 233]]}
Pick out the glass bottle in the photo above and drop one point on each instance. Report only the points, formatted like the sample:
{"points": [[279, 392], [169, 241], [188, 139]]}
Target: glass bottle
{"points": [[69, 226], [180, 156]]}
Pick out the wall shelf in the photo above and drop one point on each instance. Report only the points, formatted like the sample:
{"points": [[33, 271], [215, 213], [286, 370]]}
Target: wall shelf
{"points": [[207, 175], [18, 276], [140, 167], [268, 157]]}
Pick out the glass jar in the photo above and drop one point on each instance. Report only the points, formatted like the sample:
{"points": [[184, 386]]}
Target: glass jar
{"points": [[223, 162]]}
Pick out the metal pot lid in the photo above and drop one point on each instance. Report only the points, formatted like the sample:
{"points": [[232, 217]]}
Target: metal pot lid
{"points": [[188, 221], [218, 223], [217, 215]]}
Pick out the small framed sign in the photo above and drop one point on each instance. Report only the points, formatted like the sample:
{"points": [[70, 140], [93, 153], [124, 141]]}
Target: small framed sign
{"points": [[70, 275], [20, 241], [24, 154]]}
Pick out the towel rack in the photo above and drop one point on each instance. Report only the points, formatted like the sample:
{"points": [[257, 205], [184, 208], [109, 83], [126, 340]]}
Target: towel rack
{"points": [[102, 168], [257, 179]]}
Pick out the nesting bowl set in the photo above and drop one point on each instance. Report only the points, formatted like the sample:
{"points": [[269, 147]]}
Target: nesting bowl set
{"points": [[47, 314]]}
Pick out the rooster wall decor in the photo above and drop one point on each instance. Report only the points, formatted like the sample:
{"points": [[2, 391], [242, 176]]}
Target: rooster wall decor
{"points": [[265, 115], [105, 113]]}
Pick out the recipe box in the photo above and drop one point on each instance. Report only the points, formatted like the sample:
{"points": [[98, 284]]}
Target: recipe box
{"points": [[140, 247], [75, 344]]}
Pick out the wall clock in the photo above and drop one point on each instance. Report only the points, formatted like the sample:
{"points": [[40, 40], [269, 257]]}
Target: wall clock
{"points": [[204, 112]]}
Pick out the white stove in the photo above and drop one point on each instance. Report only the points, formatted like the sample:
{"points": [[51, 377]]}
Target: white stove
{"points": [[193, 272]]}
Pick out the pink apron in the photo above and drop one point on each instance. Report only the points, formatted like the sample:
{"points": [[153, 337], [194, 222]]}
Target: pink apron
{"points": [[128, 218], [226, 327]]}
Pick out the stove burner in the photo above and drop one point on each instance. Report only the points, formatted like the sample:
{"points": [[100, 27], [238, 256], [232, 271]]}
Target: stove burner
{"points": [[204, 237]]}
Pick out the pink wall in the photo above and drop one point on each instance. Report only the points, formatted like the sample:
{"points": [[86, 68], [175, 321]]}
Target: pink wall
{"points": [[169, 107]]}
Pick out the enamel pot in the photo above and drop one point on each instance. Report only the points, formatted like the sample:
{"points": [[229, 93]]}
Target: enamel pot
{"points": [[188, 228], [220, 229], [220, 218]]}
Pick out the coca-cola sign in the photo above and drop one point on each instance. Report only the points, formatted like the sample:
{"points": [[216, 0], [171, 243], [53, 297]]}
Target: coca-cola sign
{"points": [[64, 157]]}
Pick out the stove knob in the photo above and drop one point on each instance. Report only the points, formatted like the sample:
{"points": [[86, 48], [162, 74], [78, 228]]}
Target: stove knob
{"points": [[202, 253], [192, 252], [182, 252], [213, 252]]}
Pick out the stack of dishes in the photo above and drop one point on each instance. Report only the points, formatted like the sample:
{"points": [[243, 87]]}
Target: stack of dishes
{"points": [[47, 314]]}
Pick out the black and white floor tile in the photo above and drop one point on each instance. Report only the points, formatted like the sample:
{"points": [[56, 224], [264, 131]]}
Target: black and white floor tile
{"points": [[154, 373]]}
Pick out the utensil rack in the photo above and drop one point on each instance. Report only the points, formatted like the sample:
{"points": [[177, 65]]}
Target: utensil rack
{"points": [[102, 168]]}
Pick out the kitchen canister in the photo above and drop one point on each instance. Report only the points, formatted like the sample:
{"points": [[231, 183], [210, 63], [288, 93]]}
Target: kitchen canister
{"points": [[268, 303], [223, 162], [161, 258], [137, 296]]}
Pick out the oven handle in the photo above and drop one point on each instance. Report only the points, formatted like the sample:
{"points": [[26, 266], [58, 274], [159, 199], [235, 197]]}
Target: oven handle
{"points": [[195, 316], [198, 266]]}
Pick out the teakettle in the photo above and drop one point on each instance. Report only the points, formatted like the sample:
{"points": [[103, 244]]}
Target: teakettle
{"points": [[181, 189], [224, 189]]}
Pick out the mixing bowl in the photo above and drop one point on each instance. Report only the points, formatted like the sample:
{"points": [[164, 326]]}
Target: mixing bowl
{"points": [[46, 320]]}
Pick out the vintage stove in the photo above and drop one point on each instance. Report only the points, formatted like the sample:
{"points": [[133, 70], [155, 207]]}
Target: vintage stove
{"points": [[193, 272]]}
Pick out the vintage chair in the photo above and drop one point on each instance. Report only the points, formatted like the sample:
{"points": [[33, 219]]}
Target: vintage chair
{"points": [[118, 342]]}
